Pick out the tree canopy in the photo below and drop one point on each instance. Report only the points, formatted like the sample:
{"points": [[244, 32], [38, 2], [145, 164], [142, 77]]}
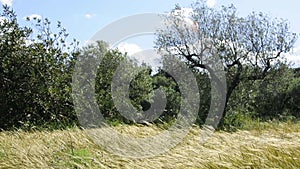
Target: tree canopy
{"points": [[249, 47]]}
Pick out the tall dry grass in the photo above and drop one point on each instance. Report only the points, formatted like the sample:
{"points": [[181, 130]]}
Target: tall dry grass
{"points": [[272, 146]]}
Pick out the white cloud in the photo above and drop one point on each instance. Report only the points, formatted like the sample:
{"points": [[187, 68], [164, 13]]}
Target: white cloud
{"points": [[7, 2], [186, 15], [28, 42], [183, 12], [211, 3], [32, 16], [294, 56], [134, 51], [89, 42], [130, 48], [88, 16]]}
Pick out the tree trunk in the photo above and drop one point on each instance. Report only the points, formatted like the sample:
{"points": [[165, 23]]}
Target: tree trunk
{"points": [[222, 120], [234, 83]]}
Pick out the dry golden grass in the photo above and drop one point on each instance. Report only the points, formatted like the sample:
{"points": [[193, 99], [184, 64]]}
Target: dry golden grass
{"points": [[275, 146]]}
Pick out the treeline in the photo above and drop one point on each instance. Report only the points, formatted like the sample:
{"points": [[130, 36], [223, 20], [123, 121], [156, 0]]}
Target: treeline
{"points": [[37, 64]]}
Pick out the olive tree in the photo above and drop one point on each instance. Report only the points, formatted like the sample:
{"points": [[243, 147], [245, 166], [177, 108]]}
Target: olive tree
{"points": [[248, 47]]}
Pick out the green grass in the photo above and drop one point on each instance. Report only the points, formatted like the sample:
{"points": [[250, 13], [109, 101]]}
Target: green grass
{"points": [[74, 158], [269, 145]]}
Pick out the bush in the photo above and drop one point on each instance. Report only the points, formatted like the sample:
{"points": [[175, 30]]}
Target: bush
{"points": [[35, 74]]}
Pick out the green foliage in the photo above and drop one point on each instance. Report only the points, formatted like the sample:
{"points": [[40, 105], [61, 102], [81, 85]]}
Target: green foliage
{"points": [[250, 49], [238, 120], [35, 74], [273, 98], [105, 72], [204, 85], [79, 157], [292, 101], [36, 68], [271, 93], [140, 87], [164, 81]]}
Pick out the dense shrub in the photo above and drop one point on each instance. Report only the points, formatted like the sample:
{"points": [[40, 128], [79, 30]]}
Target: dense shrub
{"points": [[35, 74]]}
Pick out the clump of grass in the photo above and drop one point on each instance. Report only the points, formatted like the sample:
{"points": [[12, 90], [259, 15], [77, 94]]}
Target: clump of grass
{"points": [[74, 158], [272, 146]]}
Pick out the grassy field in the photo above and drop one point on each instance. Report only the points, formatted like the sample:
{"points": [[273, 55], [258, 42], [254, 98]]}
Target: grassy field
{"points": [[267, 146]]}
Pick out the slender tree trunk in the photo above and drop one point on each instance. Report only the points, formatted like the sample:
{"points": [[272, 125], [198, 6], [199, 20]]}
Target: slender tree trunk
{"points": [[234, 83], [222, 120]]}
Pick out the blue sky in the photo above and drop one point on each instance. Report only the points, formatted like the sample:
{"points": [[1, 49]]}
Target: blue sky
{"points": [[83, 18]]}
